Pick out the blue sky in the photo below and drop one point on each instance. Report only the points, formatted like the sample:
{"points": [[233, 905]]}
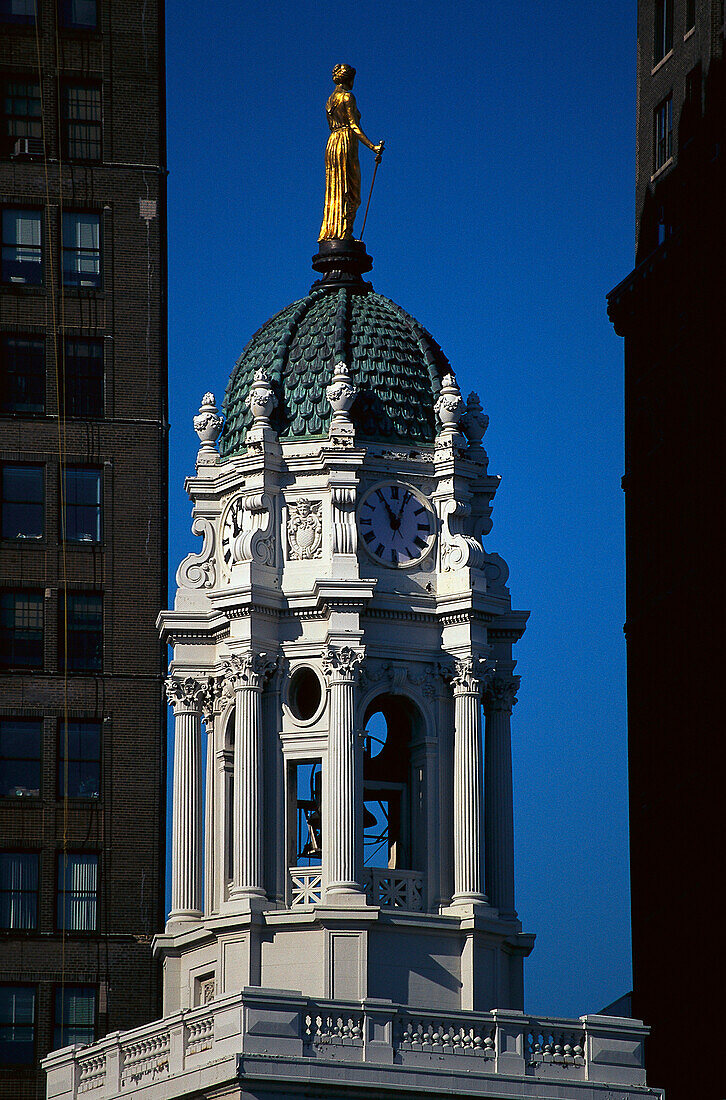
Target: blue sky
{"points": [[502, 214]]}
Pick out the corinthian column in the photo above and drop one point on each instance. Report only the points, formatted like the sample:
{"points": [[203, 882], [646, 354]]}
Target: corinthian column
{"points": [[499, 809], [210, 714], [342, 667], [247, 674], [185, 696], [468, 787]]}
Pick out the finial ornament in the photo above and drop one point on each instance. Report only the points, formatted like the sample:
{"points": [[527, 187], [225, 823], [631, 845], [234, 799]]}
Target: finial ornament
{"points": [[449, 409], [475, 421], [208, 423], [261, 400], [341, 394], [342, 168]]}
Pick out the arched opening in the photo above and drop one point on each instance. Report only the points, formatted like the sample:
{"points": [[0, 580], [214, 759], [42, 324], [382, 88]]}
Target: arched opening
{"points": [[391, 784]]}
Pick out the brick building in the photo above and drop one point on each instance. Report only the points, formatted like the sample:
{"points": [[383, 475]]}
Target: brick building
{"points": [[670, 311], [83, 505]]}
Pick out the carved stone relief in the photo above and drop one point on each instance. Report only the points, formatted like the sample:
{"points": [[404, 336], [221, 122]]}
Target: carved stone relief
{"points": [[199, 570], [304, 530]]}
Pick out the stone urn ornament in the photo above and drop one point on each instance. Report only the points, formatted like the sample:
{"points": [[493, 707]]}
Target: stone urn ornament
{"points": [[475, 421], [261, 399], [208, 423], [449, 409], [341, 394]]}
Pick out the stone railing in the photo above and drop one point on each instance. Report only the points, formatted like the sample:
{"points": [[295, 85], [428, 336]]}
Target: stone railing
{"points": [[401, 889], [306, 887], [282, 1025]]}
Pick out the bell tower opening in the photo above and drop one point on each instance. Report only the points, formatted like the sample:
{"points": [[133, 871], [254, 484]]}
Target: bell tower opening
{"points": [[391, 783]]}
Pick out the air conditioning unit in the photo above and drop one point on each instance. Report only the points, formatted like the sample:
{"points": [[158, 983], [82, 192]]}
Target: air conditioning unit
{"points": [[28, 147]]}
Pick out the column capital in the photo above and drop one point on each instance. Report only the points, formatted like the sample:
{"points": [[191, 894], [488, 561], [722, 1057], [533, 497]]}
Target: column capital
{"points": [[213, 695], [469, 675], [500, 693], [248, 670], [184, 694], [343, 665]]}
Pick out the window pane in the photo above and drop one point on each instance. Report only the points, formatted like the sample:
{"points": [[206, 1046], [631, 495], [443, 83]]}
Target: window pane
{"points": [[690, 14], [21, 113], [81, 250], [82, 504], [81, 14], [82, 121], [75, 1015], [17, 1025], [79, 760], [18, 890], [19, 757], [85, 633], [22, 502], [663, 132], [22, 381], [84, 377], [77, 888], [17, 11], [21, 250], [21, 630]]}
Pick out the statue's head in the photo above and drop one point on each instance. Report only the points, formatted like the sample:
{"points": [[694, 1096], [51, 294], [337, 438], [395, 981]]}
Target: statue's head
{"points": [[344, 74]]}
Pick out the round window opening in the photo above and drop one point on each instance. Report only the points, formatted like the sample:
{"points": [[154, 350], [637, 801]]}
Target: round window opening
{"points": [[305, 694]]}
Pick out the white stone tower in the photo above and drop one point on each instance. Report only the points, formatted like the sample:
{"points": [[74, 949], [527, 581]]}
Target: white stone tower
{"points": [[342, 872]]}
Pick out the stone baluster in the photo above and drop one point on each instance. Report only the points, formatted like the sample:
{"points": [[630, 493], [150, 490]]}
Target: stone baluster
{"points": [[342, 667], [499, 698], [185, 696], [247, 674], [468, 783]]}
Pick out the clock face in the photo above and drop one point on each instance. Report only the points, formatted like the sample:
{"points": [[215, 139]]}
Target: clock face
{"points": [[396, 524], [231, 529]]}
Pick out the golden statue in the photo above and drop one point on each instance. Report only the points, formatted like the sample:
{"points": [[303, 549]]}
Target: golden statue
{"points": [[342, 170]]}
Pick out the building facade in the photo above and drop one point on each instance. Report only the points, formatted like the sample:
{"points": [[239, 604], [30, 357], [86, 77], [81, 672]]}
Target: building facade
{"points": [[343, 913], [83, 424], [669, 310]]}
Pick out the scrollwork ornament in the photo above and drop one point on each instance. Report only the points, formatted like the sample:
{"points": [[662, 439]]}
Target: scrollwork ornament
{"points": [[184, 694], [199, 570], [343, 664]]}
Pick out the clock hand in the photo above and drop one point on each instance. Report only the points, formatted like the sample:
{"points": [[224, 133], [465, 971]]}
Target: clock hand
{"points": [[406, 497], [388, 508]]}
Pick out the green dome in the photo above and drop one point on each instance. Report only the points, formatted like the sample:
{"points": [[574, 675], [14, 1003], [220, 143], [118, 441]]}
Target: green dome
{"points": [[396, 365]]}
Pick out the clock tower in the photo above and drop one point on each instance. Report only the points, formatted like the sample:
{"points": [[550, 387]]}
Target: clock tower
{"points": [[343, 916]]}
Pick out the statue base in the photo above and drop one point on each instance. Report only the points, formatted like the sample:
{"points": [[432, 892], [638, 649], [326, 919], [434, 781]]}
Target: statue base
{"points": [[342, 263]]}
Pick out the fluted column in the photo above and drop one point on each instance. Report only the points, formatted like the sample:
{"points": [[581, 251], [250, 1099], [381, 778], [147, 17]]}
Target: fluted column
{"points": [[468, 784], [499, 699], [247, 674], [342, 667], [185, 696], [210, 714]]}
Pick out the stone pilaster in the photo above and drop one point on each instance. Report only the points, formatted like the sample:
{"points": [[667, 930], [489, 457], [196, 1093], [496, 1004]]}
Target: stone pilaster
{"points": [[499, 698], [210, 714], [468, 783], [185, 696], [342, 668], [246, 674]]}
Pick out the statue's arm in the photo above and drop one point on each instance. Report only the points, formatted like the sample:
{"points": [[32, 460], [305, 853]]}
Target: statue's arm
{"points": [[353, 116]]}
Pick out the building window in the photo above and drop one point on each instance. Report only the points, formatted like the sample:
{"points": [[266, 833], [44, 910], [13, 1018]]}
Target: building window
{"points": [[18, 890], [22, 260], [21, 113], [694, 81], [77, 892], [17, 11], [82, 122], [82, 250], [85, 632], [83, 361], [79, 15], [22, 501], [690, 14], [663, 132], [22, 374], [663, 37], [21, 630], [17, 1025], [75, 1015], [82, 498], [20, 757], [79, 760]]}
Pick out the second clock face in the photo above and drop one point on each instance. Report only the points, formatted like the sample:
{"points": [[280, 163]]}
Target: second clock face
{"points": [[396, 524]]}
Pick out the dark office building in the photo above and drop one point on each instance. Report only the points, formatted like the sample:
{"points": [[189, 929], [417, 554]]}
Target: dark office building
{"points": [[671, 310], [83, 492]]}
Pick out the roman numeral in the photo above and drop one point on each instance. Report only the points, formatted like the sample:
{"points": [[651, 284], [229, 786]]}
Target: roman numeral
{"points": [[365, 521], [394, 557], [424, 527], [419, 542], [418, 511], [379, 493], [379, 550], [368, 537], [394, 492]]}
